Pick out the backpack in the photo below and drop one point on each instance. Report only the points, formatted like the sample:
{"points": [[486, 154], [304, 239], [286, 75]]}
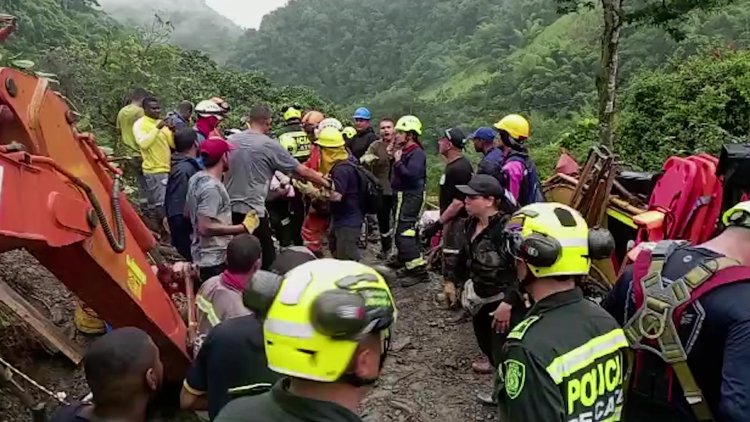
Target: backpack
{"points": [[660, 303], [531, 187], [370, 190]]}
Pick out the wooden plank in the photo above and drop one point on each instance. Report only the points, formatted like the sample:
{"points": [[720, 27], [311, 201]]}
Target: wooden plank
{"points": [[48, 331]]}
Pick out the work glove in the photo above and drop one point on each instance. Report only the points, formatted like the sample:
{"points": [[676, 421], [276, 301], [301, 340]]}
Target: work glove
{"points": [[449, 291], [251, 221], [430, 230], [368, 159]]}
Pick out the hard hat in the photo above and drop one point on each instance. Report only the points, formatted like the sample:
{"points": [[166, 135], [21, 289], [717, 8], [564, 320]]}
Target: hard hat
{"points": [[330, 122], [208, 108], [738, 215], [409, 124], [554, 240], [312, 118], [292, 112], [321, 311], [349, 132], [362, 113], [330, 138], [516, 126]]}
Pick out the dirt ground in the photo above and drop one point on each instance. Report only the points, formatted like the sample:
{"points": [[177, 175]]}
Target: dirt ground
{"points": [[427, 377]]}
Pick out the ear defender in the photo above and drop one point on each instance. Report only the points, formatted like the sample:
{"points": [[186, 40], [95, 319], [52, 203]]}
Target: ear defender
{"points": [[601, 243], [339, 314], [540, 250]]}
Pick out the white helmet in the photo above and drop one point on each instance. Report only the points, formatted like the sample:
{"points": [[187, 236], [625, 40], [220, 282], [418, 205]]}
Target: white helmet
{"points": [[329, 122], [213, 107]]}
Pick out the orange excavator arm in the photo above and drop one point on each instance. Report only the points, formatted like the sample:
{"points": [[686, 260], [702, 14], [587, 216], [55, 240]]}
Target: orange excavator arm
{"points": [[61, 200]]}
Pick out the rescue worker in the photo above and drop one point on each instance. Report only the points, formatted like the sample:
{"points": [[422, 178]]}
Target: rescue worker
{"points": [[346, 209], [124, 372], [492, 156], [342, 315], [209, 114], [184, 165], [126, 118], [365, 134], [288, 212], [708, 336], [486, 275], [408, 180], [520, 176], [220, 297], [316, 221], [567, 360], [155, 138], [458, 171], [379, 160]]}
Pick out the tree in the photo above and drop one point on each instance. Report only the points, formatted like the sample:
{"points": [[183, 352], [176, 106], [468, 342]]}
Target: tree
{"points": [[666, 14]]}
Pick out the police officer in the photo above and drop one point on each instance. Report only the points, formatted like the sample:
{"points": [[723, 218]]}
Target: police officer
{"points": [[566, 360], [289, 213], [707, 336], [328, 330]]}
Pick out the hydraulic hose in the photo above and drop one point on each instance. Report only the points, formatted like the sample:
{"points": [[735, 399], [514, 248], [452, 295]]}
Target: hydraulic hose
{"points": [[117, 244]]}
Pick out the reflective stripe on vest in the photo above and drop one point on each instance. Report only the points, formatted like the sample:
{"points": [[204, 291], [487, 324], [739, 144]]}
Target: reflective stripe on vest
{"points": [[207, 308], [586, 354]]}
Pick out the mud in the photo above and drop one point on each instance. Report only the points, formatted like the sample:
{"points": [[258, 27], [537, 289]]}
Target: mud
{"points": [[427, 376]]}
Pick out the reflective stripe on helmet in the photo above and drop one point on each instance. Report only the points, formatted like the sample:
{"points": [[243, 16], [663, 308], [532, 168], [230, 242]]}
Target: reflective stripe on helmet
{"points": [[289, 328]]}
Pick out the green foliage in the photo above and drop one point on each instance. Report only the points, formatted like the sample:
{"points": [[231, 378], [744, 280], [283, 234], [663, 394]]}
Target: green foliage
{"points": [[97, 71], [196, 26], [690, 106]]}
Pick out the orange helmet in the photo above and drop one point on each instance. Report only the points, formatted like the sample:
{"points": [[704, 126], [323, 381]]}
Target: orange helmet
{"points": [[313, 118]]}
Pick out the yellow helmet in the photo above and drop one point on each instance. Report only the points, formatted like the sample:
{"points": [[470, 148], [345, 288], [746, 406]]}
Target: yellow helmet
{"points": [[321, 311], [553, 241], [292, 112], [409, 124], [349, 132], [330, 138], [516, 126], [312, 118], [738, 215]]}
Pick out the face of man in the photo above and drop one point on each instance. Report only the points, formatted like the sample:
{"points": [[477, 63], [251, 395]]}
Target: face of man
{"points": [[367, 360], [478, 145], [361, 124], [152, 109], [386, 130], [444, 145]]}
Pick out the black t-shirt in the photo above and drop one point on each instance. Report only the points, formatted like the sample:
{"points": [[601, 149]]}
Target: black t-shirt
{"points": [[230, 361], [458, 172], [280, 405]]}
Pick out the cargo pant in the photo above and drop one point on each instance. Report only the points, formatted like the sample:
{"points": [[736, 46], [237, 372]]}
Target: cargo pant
{"points": [[314, 228], [407, 240]]}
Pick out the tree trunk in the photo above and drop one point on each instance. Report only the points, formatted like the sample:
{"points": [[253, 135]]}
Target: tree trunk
{"points": [[610, 63]]}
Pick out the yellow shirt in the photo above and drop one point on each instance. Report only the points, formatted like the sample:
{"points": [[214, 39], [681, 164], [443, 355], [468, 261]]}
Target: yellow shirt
{"points": [[126, 118], [154, 144]]}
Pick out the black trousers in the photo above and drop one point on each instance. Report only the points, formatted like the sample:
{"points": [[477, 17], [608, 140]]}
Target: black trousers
{"points": [[385, 217], [264, 235], [280, 217], [407, 241], [180, 230], [490, 342], [298, 210], [343, 243]]}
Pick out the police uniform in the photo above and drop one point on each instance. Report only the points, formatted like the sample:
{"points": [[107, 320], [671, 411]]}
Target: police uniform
{"points": [[290, 213], [296, 141], [565, 362]]}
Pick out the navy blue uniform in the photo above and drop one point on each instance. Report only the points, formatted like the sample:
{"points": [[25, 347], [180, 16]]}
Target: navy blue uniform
{"points": [[715, 331], [492, 164]]}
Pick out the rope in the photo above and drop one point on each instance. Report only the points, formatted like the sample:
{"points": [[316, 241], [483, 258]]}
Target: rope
{"points": [[58, 397]]}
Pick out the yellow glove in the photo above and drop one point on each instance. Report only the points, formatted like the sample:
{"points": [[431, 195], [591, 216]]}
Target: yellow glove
{"points": [[251, 221]]}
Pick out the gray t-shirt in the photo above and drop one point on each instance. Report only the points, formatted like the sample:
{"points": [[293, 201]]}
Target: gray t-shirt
{"points": [[251, 168], [208, 197]]}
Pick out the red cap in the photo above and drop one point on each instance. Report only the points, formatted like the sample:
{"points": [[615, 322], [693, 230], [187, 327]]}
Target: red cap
{"points": [[214, 148]]}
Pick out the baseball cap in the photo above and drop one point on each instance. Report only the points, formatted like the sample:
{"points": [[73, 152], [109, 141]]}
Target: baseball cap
{"points": [[214, 148], [486, 134], [456, 137], [483, 185]]}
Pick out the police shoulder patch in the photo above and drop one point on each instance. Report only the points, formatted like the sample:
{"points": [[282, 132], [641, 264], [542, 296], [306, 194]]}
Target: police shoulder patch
{"points": [[520, 330], [515, 377]]}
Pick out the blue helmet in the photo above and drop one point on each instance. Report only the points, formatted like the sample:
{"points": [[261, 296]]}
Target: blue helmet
{"points": [[362, 113]]}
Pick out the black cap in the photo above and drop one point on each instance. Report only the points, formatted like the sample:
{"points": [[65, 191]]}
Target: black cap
{"points": [[483, 185], [456, 136]]}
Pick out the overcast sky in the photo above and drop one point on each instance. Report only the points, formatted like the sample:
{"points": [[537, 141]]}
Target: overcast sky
{"points": [[246, 13]]}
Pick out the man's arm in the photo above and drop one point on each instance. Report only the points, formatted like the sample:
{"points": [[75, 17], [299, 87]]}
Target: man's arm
{"points": [[312, 175], [194, 388], [452, 211], [145, 138], [734, 405], [207, 213], [532, 395]]}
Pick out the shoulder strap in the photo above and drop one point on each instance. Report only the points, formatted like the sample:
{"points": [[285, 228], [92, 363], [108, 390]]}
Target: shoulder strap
{"points": [[653, 326]]}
